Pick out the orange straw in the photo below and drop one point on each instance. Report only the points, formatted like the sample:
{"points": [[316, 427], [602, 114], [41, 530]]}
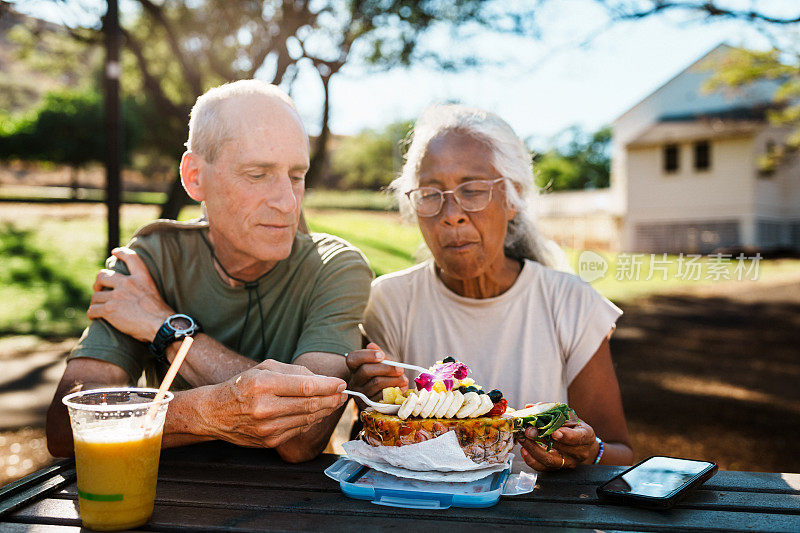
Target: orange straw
{"points": [[167, 382]]}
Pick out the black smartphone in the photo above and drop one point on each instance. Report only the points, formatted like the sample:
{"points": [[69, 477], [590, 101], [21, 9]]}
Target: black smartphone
{"points": [[658, 482]]}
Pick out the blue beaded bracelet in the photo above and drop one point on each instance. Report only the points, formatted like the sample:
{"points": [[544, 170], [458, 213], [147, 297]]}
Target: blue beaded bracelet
{"points": [[599, 452]]}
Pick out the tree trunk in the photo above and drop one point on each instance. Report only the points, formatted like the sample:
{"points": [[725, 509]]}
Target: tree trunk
{"points": [[319, 159], [177, 199]]}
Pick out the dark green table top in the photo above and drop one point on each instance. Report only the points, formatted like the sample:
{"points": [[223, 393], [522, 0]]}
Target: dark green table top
{"points": [[216, 486]]}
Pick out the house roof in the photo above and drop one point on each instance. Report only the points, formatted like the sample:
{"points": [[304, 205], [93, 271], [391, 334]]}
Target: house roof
{"points": [[695, 129], [737, 102], [753, 113]]}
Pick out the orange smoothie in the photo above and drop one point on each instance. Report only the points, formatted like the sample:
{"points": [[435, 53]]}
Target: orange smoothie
{"points": [[116, 480]]}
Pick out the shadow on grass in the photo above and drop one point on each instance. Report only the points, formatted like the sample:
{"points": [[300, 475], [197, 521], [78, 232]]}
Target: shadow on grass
{"points": [[706, 368], [30, 269]]}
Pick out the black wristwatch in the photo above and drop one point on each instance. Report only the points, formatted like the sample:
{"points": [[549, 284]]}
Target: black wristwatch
{"points": [[174, 328]]}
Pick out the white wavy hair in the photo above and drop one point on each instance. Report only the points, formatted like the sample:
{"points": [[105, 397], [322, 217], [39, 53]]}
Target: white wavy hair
{"points": [[210, 127], [511, 159]]}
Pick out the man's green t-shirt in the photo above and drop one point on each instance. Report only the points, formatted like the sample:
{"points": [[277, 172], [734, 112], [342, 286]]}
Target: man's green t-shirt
{"points": [[311, 301]]}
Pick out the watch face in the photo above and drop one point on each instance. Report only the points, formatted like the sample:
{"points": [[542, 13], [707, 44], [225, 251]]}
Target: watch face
{"points": [[179, 323]]}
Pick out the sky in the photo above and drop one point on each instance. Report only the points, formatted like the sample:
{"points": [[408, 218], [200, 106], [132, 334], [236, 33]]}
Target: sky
{"points": [[542, 87], [539, 86]]}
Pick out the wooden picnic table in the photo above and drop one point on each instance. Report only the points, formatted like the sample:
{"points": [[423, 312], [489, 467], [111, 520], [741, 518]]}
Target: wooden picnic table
{"points": [[217, 486]]}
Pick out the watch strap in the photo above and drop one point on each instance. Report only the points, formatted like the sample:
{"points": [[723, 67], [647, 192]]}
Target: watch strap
{"points": [[166, 335]]}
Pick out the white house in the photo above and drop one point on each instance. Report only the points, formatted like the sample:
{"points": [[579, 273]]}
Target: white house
{"points": [[685, 175]]}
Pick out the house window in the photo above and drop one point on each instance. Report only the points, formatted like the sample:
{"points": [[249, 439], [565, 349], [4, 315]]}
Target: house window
{"points": [[671, 158], [702, 155]]}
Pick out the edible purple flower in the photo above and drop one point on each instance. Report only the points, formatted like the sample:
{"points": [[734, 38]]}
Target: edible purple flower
{"points": [[449, 383], [424, 381], [461, 371]]}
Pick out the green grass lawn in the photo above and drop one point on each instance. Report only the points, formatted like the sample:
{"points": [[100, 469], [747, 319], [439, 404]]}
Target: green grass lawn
{"points": [[49, 255], [388, 244]]}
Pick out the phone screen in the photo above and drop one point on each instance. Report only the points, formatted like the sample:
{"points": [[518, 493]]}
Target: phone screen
{"points": [[658, 477]]}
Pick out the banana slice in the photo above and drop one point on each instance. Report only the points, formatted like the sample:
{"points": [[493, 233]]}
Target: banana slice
{"points": [[485, 407], [442, 409], [408, 406], [439, 403], [471, 403], [458, 401], [421, 399], [430, 404]]}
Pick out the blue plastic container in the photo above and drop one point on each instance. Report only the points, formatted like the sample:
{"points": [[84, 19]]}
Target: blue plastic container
{"points": [[364, 483]]}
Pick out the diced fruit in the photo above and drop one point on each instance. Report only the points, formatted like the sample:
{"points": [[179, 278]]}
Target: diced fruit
{"points": [[439, 387], [471, 388], [399, 398], [388, 394], [495, 395], [466, 382], [499, 408]]}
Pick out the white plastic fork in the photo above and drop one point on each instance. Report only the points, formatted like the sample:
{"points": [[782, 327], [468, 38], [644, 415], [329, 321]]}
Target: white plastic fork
{"points": [[385, 408]]}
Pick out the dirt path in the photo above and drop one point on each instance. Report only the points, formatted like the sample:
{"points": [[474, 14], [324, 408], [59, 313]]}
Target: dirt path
{"points": [[715, 375], [31, 369]]}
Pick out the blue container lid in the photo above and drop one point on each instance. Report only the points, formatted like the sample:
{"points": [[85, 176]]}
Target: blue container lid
{"points": [[364, 483]]}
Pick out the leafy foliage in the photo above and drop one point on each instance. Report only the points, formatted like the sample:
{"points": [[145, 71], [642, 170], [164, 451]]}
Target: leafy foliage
{"points": [[175, 50], [578, 161], [67, 128], [371, 159], [742, 67]]}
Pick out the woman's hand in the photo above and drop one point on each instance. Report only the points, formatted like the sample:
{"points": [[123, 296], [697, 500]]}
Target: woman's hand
{"points": [[574, 444], [369, 376]]}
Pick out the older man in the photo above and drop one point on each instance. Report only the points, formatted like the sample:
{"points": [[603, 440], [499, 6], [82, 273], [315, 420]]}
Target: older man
{"points": [[272, 311]]}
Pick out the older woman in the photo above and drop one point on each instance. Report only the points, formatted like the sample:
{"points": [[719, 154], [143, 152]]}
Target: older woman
{"points": [[490, 296]]}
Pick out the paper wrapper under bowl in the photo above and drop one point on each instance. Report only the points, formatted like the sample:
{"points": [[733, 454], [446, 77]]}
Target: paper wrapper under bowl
{"points": [[438, 459]]}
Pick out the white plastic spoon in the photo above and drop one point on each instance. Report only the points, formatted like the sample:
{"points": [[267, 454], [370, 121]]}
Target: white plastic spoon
{"points": [[405, 365], [385, 408]]}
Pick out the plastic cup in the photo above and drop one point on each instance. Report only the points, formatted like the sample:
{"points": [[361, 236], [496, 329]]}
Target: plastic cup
{"points": [[116, 454]]}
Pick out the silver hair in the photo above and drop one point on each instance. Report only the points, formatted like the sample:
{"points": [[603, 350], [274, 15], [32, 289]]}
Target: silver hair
{"points": [[209, 128], [511, 159]]}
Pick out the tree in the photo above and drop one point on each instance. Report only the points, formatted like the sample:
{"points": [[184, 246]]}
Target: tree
{"points": [[576, 161], [67, 129], [711, 9], [176, 50], [742, 67], [371, 159]]}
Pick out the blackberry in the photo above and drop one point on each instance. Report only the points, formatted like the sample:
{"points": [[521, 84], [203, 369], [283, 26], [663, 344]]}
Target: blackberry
{"points": [[449, 359], [495, 396]]}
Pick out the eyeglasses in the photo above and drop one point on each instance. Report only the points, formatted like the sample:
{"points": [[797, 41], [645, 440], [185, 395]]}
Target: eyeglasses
{"points": [[470, 196]]}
